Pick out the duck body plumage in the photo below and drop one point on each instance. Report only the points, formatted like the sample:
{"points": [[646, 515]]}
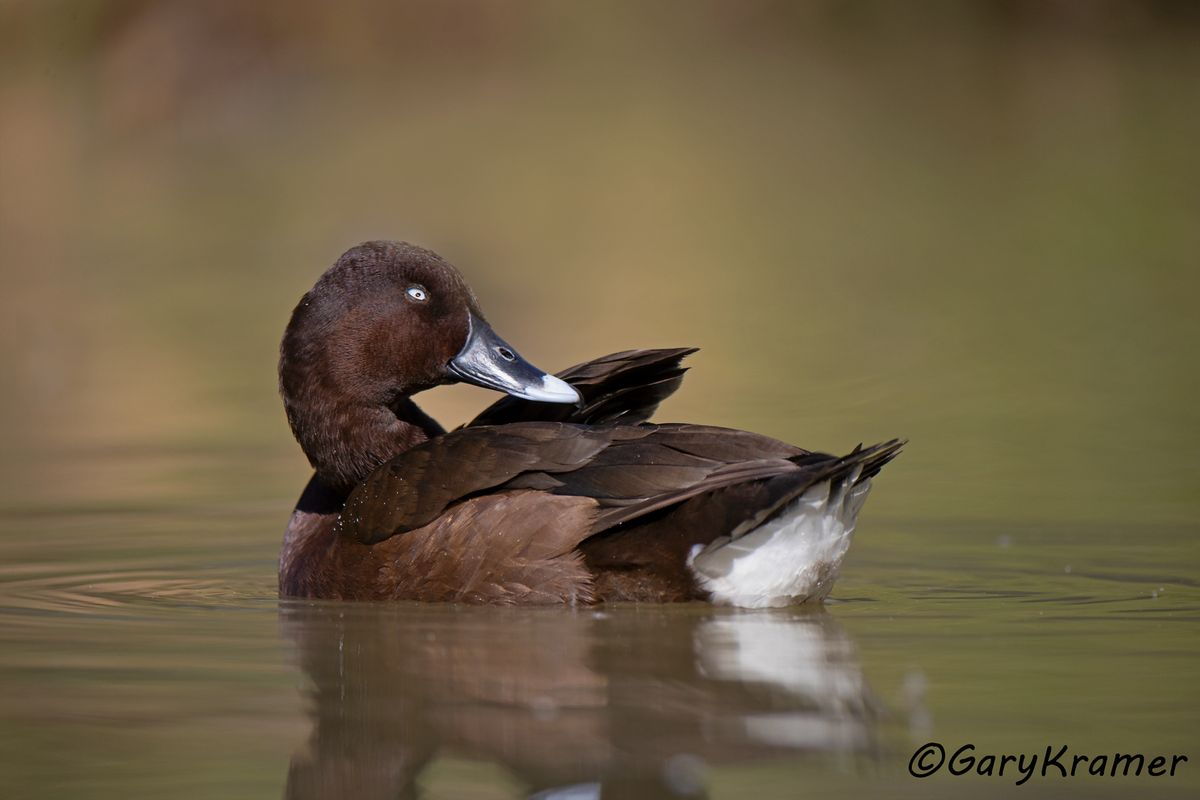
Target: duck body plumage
{"points": [[532, 502]]}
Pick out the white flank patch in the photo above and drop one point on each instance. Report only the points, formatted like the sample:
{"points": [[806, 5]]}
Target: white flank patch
{"points": [[792, 557]]}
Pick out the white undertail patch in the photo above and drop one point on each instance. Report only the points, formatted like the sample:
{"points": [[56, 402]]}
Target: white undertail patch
{"points": [[793, 557]]}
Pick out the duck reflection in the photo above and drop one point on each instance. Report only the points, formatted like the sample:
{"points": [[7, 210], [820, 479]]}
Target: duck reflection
{"points": [[626, 702]]}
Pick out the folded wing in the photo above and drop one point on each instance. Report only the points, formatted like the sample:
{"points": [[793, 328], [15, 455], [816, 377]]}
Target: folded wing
{"points": [[629, 470]]}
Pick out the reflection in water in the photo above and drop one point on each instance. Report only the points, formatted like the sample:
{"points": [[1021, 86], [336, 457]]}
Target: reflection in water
{"points": [[623, 702]]}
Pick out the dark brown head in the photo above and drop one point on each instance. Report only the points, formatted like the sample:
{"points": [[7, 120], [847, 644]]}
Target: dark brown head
{"points": [[386, 321]]}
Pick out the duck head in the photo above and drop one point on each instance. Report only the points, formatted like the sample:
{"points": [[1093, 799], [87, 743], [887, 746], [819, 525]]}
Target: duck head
{"points": [[386, 321]]}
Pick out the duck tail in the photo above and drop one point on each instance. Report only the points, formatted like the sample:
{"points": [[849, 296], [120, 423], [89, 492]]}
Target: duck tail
{"points": [[869, 460], [791, 548]]}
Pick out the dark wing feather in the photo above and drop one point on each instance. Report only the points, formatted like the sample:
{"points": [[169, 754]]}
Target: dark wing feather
{"points": [[625, 387], [630, 470], [417, 486]]}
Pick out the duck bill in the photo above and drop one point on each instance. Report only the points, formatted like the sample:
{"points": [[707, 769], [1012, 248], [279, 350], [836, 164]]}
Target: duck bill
{"points": [[487, 360]]}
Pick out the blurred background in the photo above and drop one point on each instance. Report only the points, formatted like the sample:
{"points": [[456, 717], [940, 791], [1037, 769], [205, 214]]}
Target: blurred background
{"points": [[972, 224]]}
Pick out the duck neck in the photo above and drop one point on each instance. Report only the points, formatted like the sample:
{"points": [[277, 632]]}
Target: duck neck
{"points": [[345, 444]]}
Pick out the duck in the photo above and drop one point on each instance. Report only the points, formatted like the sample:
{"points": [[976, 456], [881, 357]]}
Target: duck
{"points": [[561, 492]]}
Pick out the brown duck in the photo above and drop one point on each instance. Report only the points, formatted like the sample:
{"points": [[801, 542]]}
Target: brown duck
{"points": [[559, 493]]}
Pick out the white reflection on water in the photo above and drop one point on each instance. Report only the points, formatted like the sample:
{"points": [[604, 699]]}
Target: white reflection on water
{"points": [[813, 664]]}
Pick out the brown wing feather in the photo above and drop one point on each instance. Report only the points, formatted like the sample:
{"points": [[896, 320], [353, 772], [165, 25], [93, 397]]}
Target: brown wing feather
{"points": [[630, 470], [419, 485], [625, 387]]}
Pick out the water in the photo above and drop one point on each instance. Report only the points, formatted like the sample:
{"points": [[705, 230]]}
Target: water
{"points": [[976, 231], [156, 663]]}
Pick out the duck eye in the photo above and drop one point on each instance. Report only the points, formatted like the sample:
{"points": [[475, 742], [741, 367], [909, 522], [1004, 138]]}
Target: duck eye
{"points": [[417, 293]]}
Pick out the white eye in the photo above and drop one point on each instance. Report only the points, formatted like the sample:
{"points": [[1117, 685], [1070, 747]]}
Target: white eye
{"points": [[417, 293]]}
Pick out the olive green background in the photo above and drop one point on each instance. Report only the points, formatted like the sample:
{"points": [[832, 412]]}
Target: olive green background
{"points": [[975, 225]]}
